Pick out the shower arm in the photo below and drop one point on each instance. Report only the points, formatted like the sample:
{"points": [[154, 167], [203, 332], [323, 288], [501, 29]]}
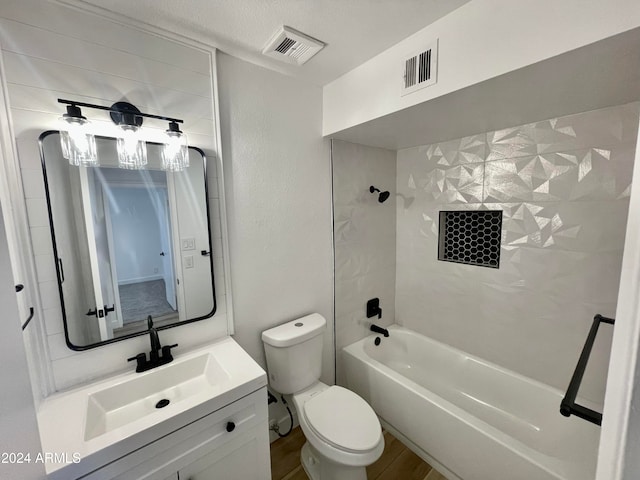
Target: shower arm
{"points": [[568, 406]]}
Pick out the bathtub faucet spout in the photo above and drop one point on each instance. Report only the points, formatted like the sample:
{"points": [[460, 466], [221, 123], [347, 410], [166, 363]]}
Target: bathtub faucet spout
{"points": [[375, 328]]}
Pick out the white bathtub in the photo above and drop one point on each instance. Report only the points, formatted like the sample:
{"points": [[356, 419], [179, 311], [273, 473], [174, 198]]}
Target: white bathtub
{"points": [[475, 419]]}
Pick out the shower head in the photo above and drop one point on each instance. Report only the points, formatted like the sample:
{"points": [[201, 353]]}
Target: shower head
{"points": [[383, 195]]}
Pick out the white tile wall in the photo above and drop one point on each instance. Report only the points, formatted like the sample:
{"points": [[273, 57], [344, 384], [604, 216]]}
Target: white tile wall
{"points": [[563, 185], [51, 51], [364, 239]]}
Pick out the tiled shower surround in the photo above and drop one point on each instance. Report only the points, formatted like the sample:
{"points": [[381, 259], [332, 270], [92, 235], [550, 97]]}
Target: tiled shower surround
{"points": [[365, 240], [563, 185]]}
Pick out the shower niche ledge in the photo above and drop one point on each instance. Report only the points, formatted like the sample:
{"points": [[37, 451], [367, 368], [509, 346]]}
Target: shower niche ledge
{"points": [[204, 412]]}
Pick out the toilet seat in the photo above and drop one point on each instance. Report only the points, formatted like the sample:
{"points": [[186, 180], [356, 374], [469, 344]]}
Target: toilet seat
{"points": [[343, 420]]}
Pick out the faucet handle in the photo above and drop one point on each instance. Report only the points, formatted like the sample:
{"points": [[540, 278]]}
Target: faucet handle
{"points": [[140, 359], [373, 308], [166, 352], [139, 356]]}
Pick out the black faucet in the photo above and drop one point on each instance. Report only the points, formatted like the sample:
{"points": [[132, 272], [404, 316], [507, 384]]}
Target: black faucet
{"points": [[375, 328], [155, 341], [158, 355]]}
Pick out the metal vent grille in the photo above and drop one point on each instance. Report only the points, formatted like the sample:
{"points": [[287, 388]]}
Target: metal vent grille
{"points": [[300, 51], [420, 69], [470, 237], [286, 44], [410, 72], [424, 66], [289, 45]]}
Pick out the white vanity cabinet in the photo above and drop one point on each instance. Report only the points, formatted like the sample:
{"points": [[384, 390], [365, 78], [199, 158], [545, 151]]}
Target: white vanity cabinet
{"points": [[202, 416], [230, 443]]}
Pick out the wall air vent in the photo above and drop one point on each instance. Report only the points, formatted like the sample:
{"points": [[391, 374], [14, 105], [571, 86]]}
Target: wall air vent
{"points": [[420, 70], [291, 46]]}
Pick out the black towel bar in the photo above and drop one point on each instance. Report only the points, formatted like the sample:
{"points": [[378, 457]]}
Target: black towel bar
{"points": [[31, 313], [568, 406]]}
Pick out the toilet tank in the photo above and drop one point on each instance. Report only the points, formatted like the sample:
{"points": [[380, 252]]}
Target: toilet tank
{"points": [[294, 353]]}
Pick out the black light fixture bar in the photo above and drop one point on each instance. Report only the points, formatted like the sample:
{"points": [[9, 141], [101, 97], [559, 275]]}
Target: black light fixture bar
{"points": [[111, 109]]}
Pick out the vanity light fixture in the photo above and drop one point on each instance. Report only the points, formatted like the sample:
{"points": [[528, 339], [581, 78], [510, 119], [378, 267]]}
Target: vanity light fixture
{"points": [[77, 142], [132, 149]]}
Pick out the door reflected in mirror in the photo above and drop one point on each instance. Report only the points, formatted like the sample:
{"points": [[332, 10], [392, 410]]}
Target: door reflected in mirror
{"points": [[128, 243]]}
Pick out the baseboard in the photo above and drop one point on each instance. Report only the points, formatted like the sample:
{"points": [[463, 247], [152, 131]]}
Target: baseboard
{"points": [[150, 278]]}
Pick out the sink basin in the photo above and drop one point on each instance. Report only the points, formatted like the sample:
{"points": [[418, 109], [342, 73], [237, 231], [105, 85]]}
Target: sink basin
{"points": [[163, 387]]}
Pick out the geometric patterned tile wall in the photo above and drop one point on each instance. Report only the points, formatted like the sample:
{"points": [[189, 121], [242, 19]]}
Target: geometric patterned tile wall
{"points": [[563, 185], [364, 240]]}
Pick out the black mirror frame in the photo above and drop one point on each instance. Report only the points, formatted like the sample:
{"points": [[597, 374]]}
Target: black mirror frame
{"points": [[60, 274]]}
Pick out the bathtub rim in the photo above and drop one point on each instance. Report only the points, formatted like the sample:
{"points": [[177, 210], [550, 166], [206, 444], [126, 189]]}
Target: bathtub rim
{"points": [[545, 386]]}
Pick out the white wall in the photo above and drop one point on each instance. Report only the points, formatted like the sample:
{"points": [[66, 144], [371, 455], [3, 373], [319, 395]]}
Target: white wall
{"points": [[620, 437], [136, 235], [365, 240], [51, 52], [17, 412], [481, 40], [631, 467], [278, 186], [563, 186]]}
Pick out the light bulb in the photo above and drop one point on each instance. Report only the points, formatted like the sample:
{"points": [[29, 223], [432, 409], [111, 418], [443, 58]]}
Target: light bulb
{"points": [[132, 152], [77, 142], [175, 155]]}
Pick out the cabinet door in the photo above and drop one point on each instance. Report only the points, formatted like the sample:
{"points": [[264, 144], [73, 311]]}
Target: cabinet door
{"points": [[192, 449], [247, 458]]}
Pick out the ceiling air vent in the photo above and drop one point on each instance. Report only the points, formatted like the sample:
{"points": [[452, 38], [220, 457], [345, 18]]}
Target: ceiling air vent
{"points": [[420, 70], [292, 46]]}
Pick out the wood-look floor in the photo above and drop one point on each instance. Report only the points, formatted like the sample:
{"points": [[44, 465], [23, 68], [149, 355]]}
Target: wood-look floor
{"points": [[396, 463]]}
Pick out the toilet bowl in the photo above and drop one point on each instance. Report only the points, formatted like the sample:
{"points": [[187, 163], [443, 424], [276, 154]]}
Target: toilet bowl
{"points": [[342, 431]]}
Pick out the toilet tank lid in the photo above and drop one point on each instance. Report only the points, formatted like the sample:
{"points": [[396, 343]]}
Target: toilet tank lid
{"points": [[295, 331]]}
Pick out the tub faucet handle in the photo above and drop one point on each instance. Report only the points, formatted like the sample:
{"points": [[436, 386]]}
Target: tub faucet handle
{"points": [[373, 308]]}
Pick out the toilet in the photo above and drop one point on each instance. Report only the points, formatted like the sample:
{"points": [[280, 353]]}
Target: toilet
{"points": [[342, 431]]}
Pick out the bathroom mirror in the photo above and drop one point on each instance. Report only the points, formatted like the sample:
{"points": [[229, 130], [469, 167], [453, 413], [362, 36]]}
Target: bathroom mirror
{"points": [[127, 243]]}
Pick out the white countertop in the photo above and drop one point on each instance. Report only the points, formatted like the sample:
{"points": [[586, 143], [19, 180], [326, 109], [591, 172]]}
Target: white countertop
{"points": [[62, 417]]}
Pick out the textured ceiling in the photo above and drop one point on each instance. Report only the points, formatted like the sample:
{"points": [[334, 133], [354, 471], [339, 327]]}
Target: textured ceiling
{"points": [[354, 30]]}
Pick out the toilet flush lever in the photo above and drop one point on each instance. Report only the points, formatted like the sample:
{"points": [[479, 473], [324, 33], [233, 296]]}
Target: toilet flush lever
{"points": [[373, 308]]}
